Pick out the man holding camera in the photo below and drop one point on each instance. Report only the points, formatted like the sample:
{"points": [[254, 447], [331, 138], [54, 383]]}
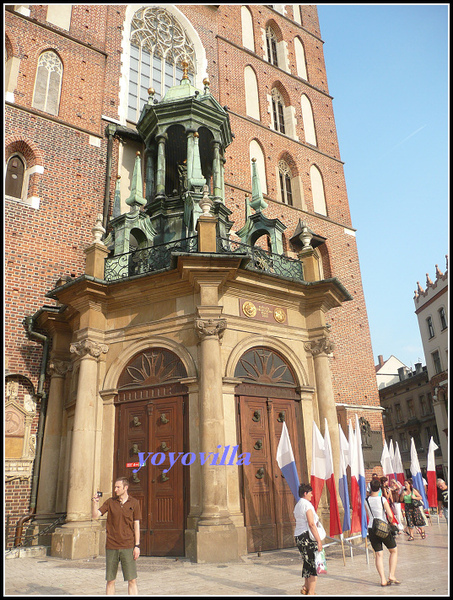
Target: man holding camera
{"points": [[123, 535]]}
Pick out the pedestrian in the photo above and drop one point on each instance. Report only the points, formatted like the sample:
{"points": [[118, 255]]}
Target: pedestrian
{"points": [[442, 497], [368, 487], [412, 500], [123, 535], [306, 521], [378, 508], [395, 504]]}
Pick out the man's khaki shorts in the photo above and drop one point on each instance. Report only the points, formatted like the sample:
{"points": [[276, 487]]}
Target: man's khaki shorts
{"points": [[128, 564]]}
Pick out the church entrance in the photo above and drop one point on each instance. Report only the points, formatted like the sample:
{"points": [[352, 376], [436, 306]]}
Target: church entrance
{"points": [[263, 406], [153, 419]]}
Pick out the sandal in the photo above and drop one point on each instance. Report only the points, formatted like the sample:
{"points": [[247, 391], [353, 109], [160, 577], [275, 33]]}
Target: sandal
{"points": [[411, 538], [423, 534], [304, 591], [393, 581]]}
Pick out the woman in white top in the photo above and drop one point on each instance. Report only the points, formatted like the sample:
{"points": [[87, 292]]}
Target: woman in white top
{"points": [[306, 519], [377, 507]]}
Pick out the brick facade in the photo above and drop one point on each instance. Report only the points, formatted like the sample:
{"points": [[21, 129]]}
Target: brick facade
{"points": [[44, 244]]}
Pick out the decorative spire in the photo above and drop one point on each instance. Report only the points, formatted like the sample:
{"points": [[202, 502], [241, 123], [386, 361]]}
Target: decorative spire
{"points": [[206, 203], [420, 290], [438, 272], [305, 236], [257, 203], [206, 84], [116, 211], [196, 177], [151, 92], [428, 280], [136, 198], [98, 230], [185, 68]]}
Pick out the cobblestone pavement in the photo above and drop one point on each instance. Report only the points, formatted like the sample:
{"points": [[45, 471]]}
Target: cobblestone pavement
{"points": [[423, 569]]}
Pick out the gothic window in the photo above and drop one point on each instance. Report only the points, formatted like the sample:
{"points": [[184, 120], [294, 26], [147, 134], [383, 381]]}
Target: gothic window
{"points": [[284, 174], [252, 105], [248, 40], [277, 111], [159, 46], [48, 83], [300, 59], [271, 46], [14, 180], [263, 365]]}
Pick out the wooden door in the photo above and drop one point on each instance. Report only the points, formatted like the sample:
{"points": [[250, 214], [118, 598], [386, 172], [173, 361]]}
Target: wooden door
{"points": [[155, 426], [268, 500]]}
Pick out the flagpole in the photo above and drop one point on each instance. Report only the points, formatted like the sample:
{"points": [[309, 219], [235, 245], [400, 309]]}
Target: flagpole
{"points": [[342, 548]]}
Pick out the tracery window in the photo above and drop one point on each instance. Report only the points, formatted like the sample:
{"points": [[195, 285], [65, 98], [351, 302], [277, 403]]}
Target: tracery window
{"points": [[271, 45], [48, 83], [159, 45], [284, 174], [277, 111], [263, 365]]}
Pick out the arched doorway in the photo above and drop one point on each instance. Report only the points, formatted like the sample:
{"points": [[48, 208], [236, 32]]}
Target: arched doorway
{"points": [[151, 417], [266, 398]]}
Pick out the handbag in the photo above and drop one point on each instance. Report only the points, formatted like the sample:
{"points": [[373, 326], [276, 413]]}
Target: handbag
{"points": [[416, 502], [320, 562], [321, 532], [380, 528]]}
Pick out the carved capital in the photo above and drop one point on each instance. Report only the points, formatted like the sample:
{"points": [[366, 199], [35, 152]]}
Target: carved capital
{"points": [[319, 346], [210, 327], [59, 368], [89, 348]]}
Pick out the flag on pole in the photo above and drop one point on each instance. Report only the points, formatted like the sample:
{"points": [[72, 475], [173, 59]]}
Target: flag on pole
{"points": [[343, 479], [399, 465], [358, 484], [286, 462], [392, 458], [335, 525], [386, 463], [417, 474], [431, 473], [318, 465]]}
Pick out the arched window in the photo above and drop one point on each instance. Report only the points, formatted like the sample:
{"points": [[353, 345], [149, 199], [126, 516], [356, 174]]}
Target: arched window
{"points": [[48, 83], [278, 105], [301, 64], [248, 40], [284, 175], [252, 105], [308, 120], [14, 180], [271, 46], [317, 189], [158, 47]]}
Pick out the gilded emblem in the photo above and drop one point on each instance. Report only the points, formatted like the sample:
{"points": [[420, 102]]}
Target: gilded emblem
{"points": [[249, 309], [279, 315]]}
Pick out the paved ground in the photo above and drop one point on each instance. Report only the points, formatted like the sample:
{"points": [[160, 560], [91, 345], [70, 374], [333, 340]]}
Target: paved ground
{"points": [[423, 568]]}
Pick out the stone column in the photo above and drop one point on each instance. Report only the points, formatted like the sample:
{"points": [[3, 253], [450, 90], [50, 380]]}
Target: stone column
{"points": [[214, 502], [161, 168], [216, 172], [48, 480], [320, 348]]}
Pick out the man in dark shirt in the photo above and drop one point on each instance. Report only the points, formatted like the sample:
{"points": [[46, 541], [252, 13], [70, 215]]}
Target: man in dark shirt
{"points": [[442, 497], [123, 535]]}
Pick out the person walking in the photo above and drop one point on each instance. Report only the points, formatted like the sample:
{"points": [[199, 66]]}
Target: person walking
{"points": [[378, 508], [306, 521], [411, 499], [442, 497], [123, 535], [395, 489]]}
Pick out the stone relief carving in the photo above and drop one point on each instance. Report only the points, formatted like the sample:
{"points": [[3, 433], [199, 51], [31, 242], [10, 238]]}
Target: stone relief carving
{"points": [[88, 347], [323, 345], [210, 327]]}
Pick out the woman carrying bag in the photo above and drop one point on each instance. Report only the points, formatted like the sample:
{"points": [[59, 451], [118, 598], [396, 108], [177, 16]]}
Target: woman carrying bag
{"points": [[412, 500], [378, 508], [306, 522]]}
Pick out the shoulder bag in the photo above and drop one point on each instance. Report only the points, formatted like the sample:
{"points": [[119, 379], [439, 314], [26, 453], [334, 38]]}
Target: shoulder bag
{"points": [[380, 528]]}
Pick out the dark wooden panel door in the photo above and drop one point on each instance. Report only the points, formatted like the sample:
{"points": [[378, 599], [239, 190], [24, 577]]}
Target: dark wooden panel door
{"points": [[268, 500], [155, 426]]}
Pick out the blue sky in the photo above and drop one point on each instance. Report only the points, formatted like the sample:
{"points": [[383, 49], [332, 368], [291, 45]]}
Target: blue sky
{"points": [[387, 70]]}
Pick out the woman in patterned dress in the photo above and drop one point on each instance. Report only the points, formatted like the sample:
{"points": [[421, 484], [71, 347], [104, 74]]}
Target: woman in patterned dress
{"points": [[306, 519], [412, 512]]}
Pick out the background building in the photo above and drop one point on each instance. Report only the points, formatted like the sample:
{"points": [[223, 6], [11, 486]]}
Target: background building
{"points": [[248, 101], [431, 308]]}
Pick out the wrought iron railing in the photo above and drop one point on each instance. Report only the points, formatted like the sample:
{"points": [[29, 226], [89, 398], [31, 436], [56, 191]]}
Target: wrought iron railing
{"points": [[158, 258], [146, 260], [262, 260]]}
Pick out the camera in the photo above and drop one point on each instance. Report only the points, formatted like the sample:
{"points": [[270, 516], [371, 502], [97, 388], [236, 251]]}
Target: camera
{"points": [[99, 494]]}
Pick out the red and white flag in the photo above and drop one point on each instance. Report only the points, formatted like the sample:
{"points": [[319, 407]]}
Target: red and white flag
{"points": [[386, 462], [318, 465], [431, 473], [399, 470], [335, 525]]}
